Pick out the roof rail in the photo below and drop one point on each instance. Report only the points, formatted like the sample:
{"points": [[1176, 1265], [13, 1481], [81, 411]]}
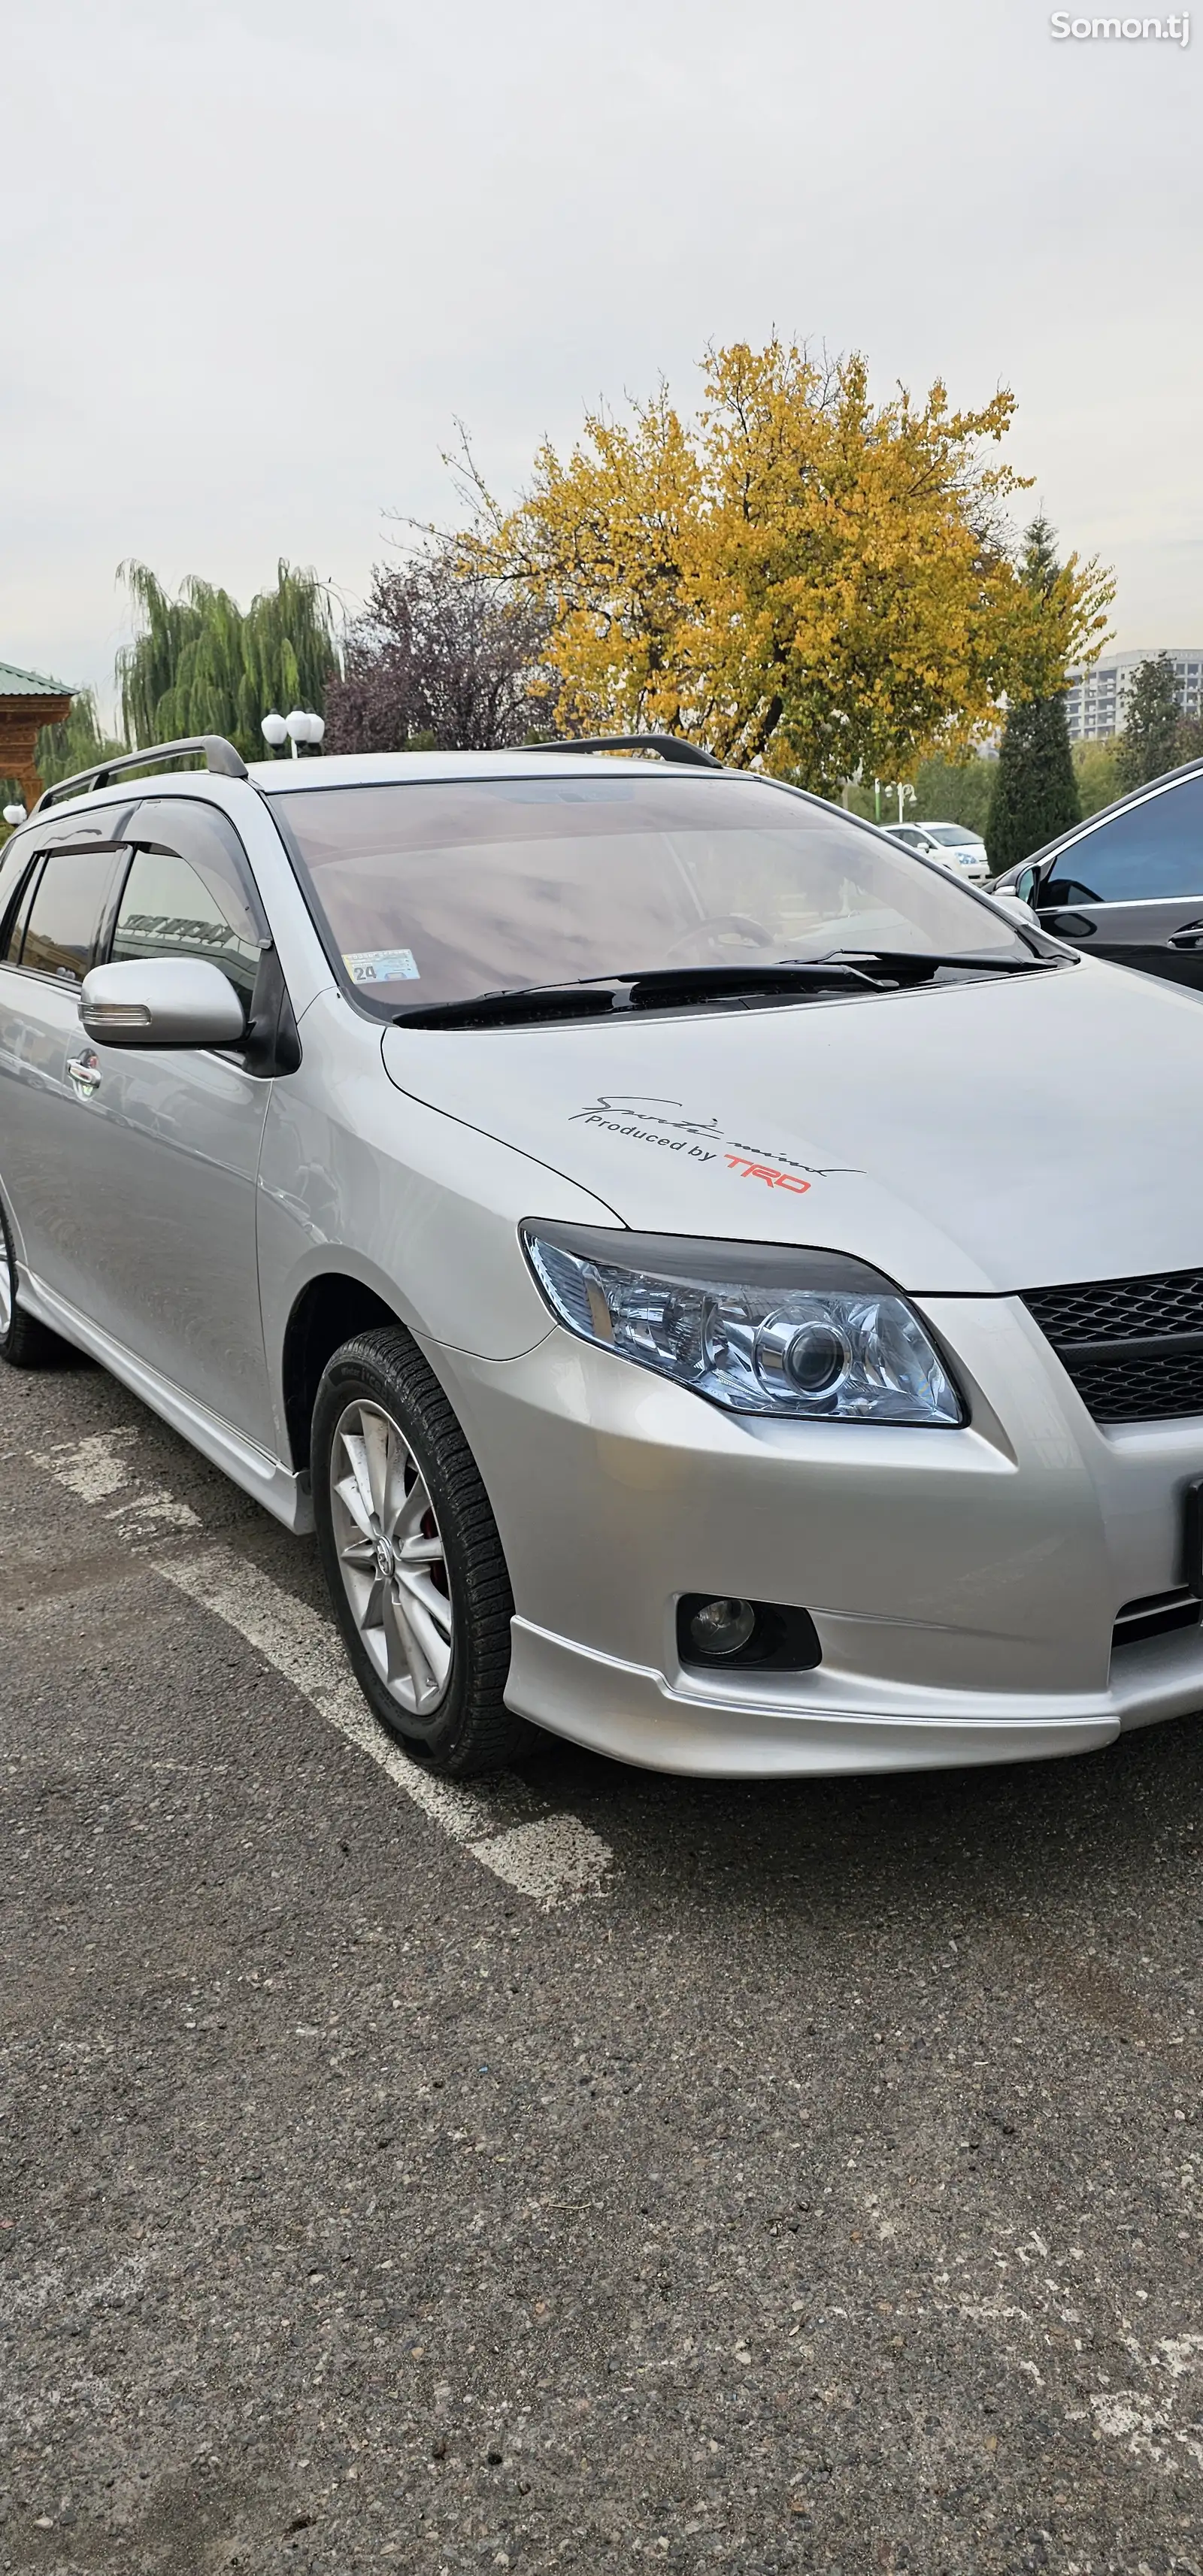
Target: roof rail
{"points": [[671, 746], [220, 757]]}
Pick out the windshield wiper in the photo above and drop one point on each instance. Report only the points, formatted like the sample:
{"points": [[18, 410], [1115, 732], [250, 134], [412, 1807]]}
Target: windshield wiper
{"points": [[646, 989], [908, 964], [508, 1002], [663, 987]]}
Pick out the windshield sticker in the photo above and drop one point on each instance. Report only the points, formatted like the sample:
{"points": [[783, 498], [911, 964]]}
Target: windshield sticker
{"points": [[648, 1120], [382, 966]]}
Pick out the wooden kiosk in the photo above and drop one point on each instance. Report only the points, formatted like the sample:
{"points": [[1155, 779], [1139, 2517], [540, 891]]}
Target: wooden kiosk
{"points": [[28, 700]]}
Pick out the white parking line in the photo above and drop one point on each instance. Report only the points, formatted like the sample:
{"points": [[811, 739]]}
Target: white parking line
{"points": [[98, 1466], [92, 1469], [553, 1858], [550, 1857]]}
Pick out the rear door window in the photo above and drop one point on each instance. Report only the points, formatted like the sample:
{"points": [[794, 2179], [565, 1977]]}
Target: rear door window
{"points": [[61, 924], [193, 897], [1151, 853], [16, 863], [65, 905]]}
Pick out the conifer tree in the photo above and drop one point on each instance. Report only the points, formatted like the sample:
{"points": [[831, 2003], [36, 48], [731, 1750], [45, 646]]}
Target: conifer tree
{"points": [[1151, 720], [1035, 789]]}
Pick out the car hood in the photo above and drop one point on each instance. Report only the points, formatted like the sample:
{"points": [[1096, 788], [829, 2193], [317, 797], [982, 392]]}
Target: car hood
{"points": [[979, 1137]]}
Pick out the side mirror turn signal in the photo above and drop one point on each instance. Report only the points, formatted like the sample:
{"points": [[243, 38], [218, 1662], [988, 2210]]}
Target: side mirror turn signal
{"points": [[162, 1002]]}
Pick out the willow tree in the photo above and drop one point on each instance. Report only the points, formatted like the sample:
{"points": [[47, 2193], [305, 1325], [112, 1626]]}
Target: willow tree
{"points": [[799, 578], [76, 743], [202, 664]]}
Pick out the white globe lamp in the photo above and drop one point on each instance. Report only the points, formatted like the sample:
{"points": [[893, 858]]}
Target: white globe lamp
{"points": [[303, 726]]}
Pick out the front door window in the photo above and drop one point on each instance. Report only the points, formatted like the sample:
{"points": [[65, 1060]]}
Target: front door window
{"points": [[191, 897]]}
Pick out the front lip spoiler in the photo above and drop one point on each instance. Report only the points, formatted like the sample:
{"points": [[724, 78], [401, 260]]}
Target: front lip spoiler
{"points": [[824, 1724]]}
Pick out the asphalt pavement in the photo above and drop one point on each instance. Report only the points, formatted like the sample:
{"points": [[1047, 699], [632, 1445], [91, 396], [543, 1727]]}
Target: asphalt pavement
{"points": [[597, 2171]]}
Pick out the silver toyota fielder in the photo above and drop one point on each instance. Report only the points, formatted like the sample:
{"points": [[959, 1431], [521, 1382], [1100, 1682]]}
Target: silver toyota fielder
{"points": [[722, 1290]]}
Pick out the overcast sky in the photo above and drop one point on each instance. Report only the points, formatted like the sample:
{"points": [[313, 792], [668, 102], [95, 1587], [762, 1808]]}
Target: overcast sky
{"points": [[258, 256]]}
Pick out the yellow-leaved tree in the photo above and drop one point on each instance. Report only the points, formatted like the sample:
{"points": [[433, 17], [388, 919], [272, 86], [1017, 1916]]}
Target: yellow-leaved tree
{"points": [[798, 578]]}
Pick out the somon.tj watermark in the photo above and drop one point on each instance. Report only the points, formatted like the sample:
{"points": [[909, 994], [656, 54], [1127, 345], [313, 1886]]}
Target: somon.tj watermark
{"points": [[1124, 31]]}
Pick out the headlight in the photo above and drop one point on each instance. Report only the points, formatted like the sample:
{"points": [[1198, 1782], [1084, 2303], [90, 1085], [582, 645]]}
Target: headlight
{"points": [[808, 1335]]}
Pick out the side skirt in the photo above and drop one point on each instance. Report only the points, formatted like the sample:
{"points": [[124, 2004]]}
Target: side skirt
{"points": [[281, 1492]]}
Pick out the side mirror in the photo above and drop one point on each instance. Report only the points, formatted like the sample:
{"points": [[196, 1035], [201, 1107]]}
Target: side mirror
{"points": [[1011, 902], [162, 1002]]}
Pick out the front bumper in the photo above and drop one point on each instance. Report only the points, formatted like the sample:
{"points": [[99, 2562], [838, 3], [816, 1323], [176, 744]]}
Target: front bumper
{"points": [[720, 1731], [964, 1584]]}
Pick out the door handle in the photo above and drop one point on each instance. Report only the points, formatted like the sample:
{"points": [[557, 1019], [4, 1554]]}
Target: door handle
{"points": [[1189, 938], [85, 1075]]}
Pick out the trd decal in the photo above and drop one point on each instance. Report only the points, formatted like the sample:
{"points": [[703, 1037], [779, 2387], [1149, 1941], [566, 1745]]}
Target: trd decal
{"points": [[765, 1172], [646, 1135], [649, 1120], [647, 1105]]}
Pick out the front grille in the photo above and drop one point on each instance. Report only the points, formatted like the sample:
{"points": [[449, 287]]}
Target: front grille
{"points": [[1133, 1347]]}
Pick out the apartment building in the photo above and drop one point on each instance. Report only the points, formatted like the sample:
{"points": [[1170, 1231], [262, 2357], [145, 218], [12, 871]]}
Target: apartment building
{"points": [[1094, 700]]}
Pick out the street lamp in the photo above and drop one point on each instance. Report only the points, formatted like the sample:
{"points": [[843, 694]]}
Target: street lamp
{"points": [[14, 814], [900, 788], [296, 728]]}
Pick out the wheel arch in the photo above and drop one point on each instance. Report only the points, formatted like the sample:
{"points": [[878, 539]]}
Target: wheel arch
{"points": [[327, 1312]]}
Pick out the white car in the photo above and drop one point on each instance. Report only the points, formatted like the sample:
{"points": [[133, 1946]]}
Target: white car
{"points": [[951, 843], [724, 1291]]}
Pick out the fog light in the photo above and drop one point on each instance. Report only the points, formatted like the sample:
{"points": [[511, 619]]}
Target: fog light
{"points": [[772, 1636], [721, 1627]]}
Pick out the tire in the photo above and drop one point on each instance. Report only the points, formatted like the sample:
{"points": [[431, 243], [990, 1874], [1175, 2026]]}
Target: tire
{"points": [[24, 1342], [413, 1558]]}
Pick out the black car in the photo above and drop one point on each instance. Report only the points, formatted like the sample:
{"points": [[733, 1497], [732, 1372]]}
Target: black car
{"points": [[1127, 884]]}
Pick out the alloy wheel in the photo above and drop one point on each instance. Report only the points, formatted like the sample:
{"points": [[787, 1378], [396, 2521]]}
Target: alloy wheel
{"points": [[391, 1557]]}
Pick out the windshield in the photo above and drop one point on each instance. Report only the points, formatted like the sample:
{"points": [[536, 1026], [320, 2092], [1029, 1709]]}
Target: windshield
{"points": [[437, 892], [953, 835]]}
